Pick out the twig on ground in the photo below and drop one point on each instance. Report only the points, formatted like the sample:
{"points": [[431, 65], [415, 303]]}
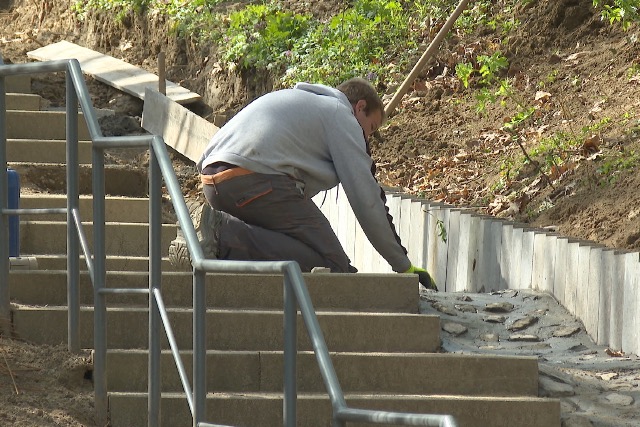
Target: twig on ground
{"points": [[13, 380]]}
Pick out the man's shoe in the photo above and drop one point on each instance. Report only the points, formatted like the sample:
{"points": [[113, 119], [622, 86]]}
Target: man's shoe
{"points": [[206, 222]]}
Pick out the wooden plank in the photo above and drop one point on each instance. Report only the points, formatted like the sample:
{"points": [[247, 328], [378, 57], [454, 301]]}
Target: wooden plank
{"points": [[181, 129], [112, 71]]}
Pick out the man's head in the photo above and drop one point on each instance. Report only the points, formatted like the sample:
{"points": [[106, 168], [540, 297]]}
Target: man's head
{"points": [[367, 105]]}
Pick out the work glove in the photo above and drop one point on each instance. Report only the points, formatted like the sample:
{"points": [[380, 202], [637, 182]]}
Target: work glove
{"points": [[424, 277]]}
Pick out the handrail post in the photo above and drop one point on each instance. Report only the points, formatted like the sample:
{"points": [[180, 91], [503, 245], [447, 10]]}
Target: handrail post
{"points": [[5, 307], [99, 304], [199, 347], [73, 194], [289, 409], [155, 277]]}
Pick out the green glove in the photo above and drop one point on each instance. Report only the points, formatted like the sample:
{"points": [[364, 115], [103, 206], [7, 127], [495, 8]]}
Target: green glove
{"points": [[424, 277]]}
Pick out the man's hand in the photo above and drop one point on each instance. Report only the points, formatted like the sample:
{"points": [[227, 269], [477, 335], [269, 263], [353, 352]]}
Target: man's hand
{"points": [[424, 277]]}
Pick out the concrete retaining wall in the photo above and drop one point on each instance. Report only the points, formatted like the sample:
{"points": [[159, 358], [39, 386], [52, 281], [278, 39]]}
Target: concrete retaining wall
{"points": [[600, 286]]}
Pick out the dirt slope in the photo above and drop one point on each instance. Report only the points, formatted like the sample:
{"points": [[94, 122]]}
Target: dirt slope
{"points": [[437, 146]]}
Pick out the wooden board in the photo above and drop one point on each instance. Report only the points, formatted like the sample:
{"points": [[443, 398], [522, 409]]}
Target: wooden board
{"points": [[181, 129], [112, 71]]}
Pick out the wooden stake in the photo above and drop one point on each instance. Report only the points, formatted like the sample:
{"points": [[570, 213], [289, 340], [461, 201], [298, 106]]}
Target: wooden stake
{"points": [[391, 106], [162, 82]]}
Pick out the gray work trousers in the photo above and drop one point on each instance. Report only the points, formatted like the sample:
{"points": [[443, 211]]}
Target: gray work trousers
{"points": [[268, 218]]}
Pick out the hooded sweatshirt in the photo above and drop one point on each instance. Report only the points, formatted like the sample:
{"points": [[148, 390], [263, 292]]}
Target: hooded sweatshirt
{"points": [[311, 134]]}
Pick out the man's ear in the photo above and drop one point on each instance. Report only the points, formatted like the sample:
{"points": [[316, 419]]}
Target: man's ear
{"points": [[360, 105]]}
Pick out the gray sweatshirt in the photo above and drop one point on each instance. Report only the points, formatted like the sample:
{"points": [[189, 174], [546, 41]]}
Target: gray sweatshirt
{"points": [[310, 133]]}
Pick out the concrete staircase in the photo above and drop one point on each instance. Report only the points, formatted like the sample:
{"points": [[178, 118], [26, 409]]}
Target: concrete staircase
{"points": [[386, 354]]}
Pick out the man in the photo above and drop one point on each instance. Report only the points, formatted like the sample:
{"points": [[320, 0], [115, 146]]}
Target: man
{"points": [[262, 168]]}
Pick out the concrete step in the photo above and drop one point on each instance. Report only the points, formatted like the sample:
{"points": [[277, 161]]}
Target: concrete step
{"points": [[18, 83], [238, 329], [314, 410], [123, 239], [120, 180], [117, 209], [347, 292], [45, 151], [42, 125], [253, 371], [23, 101]]}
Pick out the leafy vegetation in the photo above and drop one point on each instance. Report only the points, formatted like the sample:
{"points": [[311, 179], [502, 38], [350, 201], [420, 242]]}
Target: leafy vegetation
{"points": [[382, 39]]}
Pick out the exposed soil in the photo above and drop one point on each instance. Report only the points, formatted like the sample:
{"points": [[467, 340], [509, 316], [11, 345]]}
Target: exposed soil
{"points": [[568, 64]]}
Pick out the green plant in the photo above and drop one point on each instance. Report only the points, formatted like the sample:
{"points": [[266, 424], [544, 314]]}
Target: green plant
{"points": [[118, 7], [549, 79], [464, 72], [490, 66], [611, 169], [261, 36], [624, 12], [442, 230], [518, 119]]}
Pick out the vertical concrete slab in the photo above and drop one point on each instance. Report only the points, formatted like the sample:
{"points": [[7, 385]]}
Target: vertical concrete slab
{"points": [[453, 250], [341, 226], [526, 258], [484, 258], [492, 258], [631, 312], [582, 283], [350, 231], [506, 255], [544, 257], [560, 268], [462, 269], [418, 236], [571, 275], [593, 306], [617, 301], [604, 290], [358, 249], [406, 227], [438, 248], [516, 256], [474, 253]]}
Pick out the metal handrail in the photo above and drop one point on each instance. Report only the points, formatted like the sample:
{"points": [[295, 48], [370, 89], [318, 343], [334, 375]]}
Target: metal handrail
{"points": [[295, 291]]}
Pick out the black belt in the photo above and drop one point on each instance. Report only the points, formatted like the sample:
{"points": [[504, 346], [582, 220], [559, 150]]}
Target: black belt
{"points": [[217, 167]]}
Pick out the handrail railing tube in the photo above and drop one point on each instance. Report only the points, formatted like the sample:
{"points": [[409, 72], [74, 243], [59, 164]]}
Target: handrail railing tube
{"points": [[75, 73], [100, 276], [73, 203], [155, 282], [5, 305], [398, 418], [84, 242], [199, 345], [295, 290], [173, 346], [289, 401], [317, 338], [121, 291], [36, 211]]}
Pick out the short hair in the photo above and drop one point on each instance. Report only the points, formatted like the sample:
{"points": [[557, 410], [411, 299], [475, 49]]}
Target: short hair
{"points": [[358, 88]]}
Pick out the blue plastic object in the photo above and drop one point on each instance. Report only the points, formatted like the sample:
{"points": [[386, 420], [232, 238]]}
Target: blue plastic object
{"points": [[14, 220]]}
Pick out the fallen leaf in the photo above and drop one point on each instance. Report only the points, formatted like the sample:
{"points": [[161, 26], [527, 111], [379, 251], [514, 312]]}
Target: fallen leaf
{"points": [[542, 96], [590, 145], [614, 353]]}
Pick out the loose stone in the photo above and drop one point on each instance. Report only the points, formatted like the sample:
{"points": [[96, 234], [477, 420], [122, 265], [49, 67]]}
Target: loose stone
{"points": [[494, 318], [566, 332], [499, 307], [524, 337], [523, 323], [455, 329]]}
